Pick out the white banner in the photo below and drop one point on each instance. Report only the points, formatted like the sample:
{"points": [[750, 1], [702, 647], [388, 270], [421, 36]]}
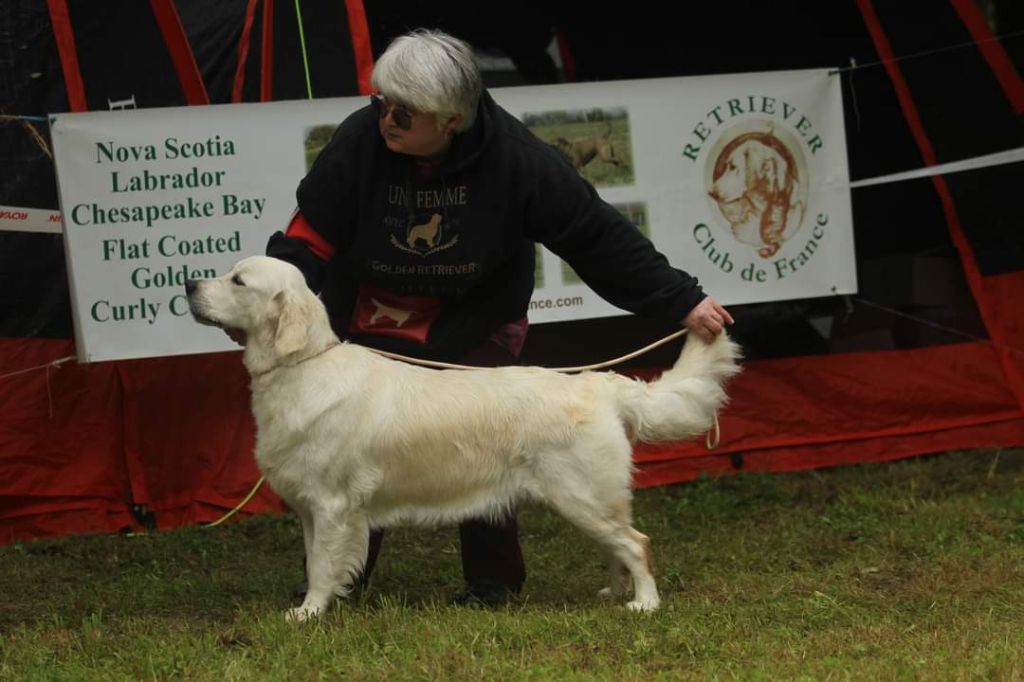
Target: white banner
{"points": [[740, 180]]}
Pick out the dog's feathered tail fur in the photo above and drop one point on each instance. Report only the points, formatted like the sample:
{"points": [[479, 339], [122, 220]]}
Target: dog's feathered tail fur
{"points": [[682, 402]]}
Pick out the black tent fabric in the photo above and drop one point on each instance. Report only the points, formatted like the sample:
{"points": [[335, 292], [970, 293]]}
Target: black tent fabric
{"points": [[928, 356]]}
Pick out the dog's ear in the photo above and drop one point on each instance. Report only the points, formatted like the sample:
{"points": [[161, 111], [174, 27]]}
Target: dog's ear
{"points": [[750, 171], [292, 323], [783, 175]]}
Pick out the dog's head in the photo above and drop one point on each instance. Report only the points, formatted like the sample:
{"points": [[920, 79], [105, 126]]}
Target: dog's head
{"points": [[268, 301], [561, 144], [564, 147], [751, 169]]}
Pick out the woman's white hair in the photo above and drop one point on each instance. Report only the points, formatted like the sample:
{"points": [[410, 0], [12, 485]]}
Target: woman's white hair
{"points": [[432, 72]]}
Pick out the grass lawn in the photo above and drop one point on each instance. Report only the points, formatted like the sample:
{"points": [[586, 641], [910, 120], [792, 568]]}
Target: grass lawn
{"points": [[910, 570]]}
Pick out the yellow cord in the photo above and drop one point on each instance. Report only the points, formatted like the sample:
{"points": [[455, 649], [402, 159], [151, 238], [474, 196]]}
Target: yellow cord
{"points": [[222, 519], [712, 441], [238, 507]]}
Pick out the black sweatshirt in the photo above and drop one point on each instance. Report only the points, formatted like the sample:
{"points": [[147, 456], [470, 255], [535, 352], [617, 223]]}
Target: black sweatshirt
{"points": [[456, 241]]}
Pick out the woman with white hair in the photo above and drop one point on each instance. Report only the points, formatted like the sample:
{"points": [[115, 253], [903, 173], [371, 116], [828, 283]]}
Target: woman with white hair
{"points": [[418, 221]]}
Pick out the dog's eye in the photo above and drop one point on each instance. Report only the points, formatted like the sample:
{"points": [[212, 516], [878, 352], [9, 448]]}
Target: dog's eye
{"points": [[237, 279]]}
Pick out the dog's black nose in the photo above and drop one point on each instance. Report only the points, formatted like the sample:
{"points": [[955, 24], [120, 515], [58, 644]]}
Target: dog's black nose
{"points": [[190, 286]]}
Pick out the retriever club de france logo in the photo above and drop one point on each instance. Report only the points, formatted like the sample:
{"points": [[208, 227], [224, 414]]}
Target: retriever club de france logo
{"points": [[754, 156]]}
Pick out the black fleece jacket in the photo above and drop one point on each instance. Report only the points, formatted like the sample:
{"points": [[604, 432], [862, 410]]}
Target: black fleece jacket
{"points": [[463, 233]]}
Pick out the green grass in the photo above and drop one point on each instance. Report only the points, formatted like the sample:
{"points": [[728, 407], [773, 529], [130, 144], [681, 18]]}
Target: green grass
{"points": [[910, 570]]}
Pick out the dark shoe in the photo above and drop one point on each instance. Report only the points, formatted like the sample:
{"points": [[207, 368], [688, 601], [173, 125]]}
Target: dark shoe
{"points": [[483, 594]]}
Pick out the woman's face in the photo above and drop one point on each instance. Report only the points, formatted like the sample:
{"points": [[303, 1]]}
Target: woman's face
{"points": [[416, 133]]}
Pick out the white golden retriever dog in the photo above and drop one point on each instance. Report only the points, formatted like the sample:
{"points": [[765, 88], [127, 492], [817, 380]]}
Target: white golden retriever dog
{"points": [[353, 440]]}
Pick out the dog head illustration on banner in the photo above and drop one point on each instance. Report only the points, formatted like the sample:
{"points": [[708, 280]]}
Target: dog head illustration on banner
{"points": [[758, 183]]}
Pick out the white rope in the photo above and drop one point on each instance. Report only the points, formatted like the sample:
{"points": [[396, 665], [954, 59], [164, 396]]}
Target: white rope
{"points": [[565, 370], [712, 439], [55, 363], [973, 163], [48, 366]]}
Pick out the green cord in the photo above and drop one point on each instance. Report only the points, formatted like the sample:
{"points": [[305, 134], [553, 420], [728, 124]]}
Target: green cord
{"points": [[302, 42]]}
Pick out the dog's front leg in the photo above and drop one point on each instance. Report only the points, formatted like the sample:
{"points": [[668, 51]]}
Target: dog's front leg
{"points": [[307, 534], [335, 555]]}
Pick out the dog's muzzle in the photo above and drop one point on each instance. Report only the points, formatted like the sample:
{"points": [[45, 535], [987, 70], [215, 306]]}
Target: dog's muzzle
{"points": [[191, 288]]}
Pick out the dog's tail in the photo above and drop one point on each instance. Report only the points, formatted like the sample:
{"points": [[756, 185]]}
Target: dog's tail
{"points": [[684, 401]]}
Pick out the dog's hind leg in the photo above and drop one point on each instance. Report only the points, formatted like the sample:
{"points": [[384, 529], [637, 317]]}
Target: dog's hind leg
{"points": [[576, 501], [631, 550], [619, 581], [337, 554], [645, 594]]}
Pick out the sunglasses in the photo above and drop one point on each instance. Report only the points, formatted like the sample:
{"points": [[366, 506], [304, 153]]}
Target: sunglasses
{"points": [[400, 114]]}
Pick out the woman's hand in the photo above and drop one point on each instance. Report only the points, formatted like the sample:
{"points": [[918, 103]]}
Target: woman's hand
{"points": [[707, 319]]}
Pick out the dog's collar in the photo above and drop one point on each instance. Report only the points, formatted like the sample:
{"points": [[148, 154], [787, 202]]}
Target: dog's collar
{"points": [[256, 375]]}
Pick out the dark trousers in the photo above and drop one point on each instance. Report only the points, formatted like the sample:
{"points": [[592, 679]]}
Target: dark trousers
{"points": [[490, 550], [490, 553]]}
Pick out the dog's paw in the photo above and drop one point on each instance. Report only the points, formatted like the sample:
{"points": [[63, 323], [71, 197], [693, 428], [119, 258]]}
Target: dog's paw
{"points": [[643, 605], [301, 614], [612, 593]]}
